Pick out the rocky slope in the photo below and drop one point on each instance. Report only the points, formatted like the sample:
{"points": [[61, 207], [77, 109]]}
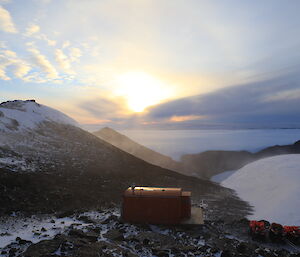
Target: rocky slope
{"points": [[102, 233], [126, 144], [50, 165], [207, 164]]}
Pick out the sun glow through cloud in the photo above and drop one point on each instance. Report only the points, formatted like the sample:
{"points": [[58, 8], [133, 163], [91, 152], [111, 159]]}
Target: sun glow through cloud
{"points": [[141, 90]]}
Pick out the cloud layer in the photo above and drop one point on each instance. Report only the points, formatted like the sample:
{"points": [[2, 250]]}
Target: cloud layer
{"points": [[272, 102], [75, 52]]}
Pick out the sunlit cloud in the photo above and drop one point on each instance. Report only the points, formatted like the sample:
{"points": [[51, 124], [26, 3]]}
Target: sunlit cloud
{"points": [[3, 75], [43, 63], [6, 22], [75, 54], [63, 61], [32, 29], [9, 53], [141, 90], [134, 59], [66, 44], [186, 118], [8, 59], [20, 69], [50, 42]]}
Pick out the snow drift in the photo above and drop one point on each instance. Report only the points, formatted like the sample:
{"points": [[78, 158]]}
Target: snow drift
{"points": [[272, 187]]}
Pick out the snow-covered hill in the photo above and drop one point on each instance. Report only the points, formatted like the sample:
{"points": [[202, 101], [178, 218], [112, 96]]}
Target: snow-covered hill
{"points": [[25, 115], [272, 186], [23, 133]]}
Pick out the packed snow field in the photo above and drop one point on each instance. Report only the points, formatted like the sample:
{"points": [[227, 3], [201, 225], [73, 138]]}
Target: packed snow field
{"points": [[271, 186], [175, 143]]}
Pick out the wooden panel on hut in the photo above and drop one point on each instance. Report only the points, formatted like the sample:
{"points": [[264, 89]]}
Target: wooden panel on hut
{"points": [[156, 205]]}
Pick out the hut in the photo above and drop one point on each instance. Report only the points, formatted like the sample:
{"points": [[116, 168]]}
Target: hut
{"points": [[156, 205]]}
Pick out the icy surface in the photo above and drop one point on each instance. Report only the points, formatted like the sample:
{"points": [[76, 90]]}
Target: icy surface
{"points": [[271, 186], [23, 115]]}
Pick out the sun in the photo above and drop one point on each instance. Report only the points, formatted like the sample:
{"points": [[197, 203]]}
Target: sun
{"points": [[141, 90]]}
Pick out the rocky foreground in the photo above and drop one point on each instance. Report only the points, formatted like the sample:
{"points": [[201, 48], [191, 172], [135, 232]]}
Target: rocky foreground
{"points": [[102, 233]]}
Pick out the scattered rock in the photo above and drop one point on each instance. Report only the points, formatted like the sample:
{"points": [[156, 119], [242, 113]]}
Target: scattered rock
{"points": [[114, 235], [91, 236], [86, 219]]}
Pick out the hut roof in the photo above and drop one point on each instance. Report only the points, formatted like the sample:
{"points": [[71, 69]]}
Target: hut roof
{"points": [[153, 191]]}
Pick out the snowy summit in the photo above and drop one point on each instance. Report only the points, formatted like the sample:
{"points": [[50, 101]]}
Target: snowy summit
{"points": [[26, 115], [271, 186]]}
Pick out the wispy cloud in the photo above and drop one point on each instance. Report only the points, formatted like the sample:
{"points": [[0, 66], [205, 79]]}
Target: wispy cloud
{"points": [[75, 54], [63, 61], [3, 73], [6, 22], [271, 102], [21, 69], [66, 44], [9, 58], [186, 118], [43, 63], [44, 37], [32, 29], [105, 108]]}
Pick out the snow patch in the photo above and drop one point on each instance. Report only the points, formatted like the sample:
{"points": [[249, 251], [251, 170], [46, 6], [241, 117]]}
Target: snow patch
{"points": [[271, 186], [26, 115], [33, 229]]}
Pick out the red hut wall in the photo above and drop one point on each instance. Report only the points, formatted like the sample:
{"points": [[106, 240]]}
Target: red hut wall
{"points": [[156, 207], [186, 205]]}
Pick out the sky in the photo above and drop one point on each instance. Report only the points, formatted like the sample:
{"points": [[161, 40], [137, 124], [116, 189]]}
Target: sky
{"points": [[155, 64]]}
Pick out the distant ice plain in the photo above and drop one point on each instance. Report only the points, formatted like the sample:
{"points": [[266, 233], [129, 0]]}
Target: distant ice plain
{"points": [[175, 143]]}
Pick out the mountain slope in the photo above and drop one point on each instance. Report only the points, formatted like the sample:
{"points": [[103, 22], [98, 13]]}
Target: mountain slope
{"points": [[207, 164], [271, 185], [126, 144], [55, 166]]}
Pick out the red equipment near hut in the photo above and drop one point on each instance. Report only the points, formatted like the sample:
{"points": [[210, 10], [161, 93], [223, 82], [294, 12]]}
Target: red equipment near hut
{"points": [[156, 205]]}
